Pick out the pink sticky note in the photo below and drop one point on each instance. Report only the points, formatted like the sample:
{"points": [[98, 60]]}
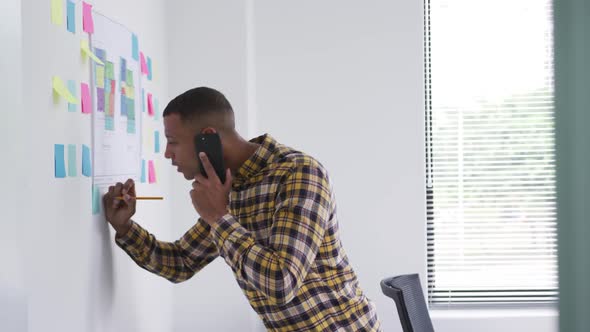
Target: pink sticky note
{"points": [[150, 105], [144, 69], [87, 20], [151, 172], [86, 105]]}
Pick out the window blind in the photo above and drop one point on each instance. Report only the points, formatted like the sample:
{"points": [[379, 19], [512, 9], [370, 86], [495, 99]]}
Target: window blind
{"points": [[490, 155]]}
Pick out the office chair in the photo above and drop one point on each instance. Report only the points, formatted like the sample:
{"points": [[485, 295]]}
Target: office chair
{"points": [[406, 292]]}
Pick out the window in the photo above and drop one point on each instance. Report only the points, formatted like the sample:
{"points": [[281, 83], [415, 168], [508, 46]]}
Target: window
{"points": [[491, 196]]}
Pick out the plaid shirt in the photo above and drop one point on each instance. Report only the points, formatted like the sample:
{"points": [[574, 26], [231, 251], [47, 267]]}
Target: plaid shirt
{"points": [[282, 242]]}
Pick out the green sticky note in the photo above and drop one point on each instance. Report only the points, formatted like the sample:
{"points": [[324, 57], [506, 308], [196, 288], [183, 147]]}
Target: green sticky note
{"points": [[72, 172], [129, 79], [95, 200], [110, 70]]}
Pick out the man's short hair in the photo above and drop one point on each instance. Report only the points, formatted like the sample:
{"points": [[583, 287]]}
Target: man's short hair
{"points": [[201, 103]]}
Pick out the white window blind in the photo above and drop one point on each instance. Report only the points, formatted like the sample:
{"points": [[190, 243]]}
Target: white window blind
{"points": [[491, 205]]}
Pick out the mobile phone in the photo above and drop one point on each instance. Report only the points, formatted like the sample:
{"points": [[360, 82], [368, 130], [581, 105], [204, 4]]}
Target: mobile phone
{"points": [[210, 143]]}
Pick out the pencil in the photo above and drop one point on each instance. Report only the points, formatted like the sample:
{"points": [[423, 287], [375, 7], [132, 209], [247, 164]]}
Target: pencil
{"points": [[142, 197]]}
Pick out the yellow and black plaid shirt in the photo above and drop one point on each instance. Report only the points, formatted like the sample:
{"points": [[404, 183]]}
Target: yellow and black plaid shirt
{"points": [[282, 242]]}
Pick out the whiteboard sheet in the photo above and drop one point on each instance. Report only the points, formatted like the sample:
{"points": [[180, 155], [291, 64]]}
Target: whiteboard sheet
{"points": [[116, 94]]}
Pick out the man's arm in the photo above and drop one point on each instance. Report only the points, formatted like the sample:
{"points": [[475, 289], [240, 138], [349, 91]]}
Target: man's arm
{"points": [[176, 261], [301, 214]]}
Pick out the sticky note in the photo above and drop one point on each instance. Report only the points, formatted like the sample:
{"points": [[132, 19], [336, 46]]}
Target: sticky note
{"points": [[157, 141], [107, 102], [101, 54], [61, 90], [100, 76], [86, 104], [95, 200], [123, 105], [150, 105], [149, 68], [60, 166], [142, 171], [99, 100], [109, 123], [143, 64], [129, 79], [110, 68], [151, 172], [134, 47], [72, 170], [57, 12], [86, 165], [143, 100], [123, 72], [130, 92], [71, 16], [87, 20], [72, 89], [85, 49]]}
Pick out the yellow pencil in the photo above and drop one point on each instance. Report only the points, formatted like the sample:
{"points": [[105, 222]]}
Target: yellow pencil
{"points": [[141, 197]]}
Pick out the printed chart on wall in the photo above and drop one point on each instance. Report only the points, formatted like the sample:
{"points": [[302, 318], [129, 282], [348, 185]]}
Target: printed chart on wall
{"points": [[116, 123]]}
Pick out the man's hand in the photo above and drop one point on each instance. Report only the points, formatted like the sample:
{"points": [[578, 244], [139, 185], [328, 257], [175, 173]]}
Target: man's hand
{"points": [[210, 197], [119, 212]]}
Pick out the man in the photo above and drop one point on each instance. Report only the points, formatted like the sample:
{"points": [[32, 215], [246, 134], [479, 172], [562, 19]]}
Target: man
{"points": [[273, 221]]}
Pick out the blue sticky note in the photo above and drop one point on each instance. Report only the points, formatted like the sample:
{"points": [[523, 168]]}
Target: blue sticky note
{"points": [[143, 100], [72, 170], [157, 141], [142, 171], [74, 92], [71, 17], [149, 65], [134, 47], [60, 166], [95, 200], [101, 54], [86, 165], [123, 106]]}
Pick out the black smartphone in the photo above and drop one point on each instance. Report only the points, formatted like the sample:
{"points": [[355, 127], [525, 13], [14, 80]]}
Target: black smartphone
{"points": [[211, 145]]}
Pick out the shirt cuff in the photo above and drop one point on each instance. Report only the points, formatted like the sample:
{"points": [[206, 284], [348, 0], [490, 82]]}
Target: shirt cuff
{"points": [[232, 240], [133, 240]]}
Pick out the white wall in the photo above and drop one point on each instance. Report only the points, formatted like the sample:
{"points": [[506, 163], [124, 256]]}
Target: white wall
{"points": [[76, 278], [207, 44], [343, 82], [13, 306]]}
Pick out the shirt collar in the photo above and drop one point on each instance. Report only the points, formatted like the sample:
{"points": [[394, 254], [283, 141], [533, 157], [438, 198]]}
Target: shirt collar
{"points": [[257, 161]]}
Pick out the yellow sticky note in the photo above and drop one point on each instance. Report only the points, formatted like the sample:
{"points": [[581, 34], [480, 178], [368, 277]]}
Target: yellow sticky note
{"points": [[57, 12], [86, 50], [130, 92], [100, 77], [62, 90]]}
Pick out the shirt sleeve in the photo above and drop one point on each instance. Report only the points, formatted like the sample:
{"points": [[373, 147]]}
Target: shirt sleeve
{"points": [[176, 261], [302, 211]]}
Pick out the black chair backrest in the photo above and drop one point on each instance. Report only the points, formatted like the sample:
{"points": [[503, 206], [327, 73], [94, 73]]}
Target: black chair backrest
{"points": [[406, 292]]}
